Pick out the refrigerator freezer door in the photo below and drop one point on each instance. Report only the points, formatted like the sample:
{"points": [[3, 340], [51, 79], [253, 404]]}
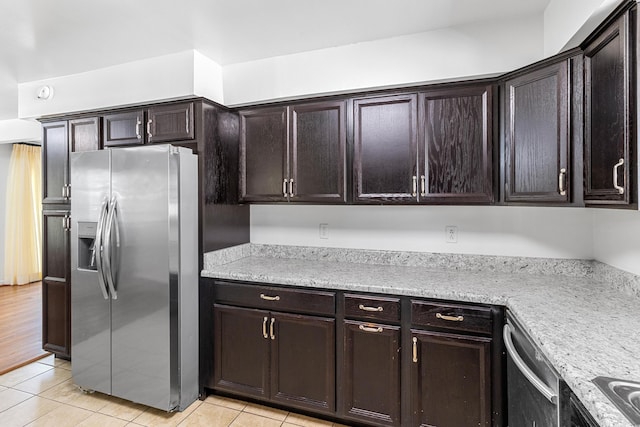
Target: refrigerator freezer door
{"points": [[90, 310], [144, 315]]}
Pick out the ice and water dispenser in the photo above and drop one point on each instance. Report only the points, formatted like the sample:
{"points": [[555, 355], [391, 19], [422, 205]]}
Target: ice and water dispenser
{"points": [[87, 245]]}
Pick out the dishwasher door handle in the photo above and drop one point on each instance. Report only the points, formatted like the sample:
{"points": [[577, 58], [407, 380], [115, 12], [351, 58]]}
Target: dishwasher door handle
{"points": [[525, 370]]}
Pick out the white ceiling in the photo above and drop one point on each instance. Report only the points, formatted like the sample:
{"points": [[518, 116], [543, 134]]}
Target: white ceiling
{"points": [[44, 38]]}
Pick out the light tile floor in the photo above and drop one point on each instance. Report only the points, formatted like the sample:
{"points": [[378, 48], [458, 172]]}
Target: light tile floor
{"points": [[43, 394]]}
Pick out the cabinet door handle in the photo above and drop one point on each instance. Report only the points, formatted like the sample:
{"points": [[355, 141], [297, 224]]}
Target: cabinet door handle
{"points": [[186, 124], [561, 179], [64, 191], [370, 329], [615, 177], [264, 327], [415, 350], [68, 191], [367, 308], [423, 185], [268, 298], [271, 334], [138, 123], [450, 318], [149, 128], [414, 186], [284, 187], [291, 188]]}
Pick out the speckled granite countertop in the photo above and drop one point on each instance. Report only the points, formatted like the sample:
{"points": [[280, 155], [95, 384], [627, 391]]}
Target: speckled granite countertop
{"points": [[584, 315]]}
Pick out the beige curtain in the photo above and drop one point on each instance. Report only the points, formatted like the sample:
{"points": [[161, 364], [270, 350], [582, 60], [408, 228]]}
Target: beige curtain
{"points": [[23, 220]]}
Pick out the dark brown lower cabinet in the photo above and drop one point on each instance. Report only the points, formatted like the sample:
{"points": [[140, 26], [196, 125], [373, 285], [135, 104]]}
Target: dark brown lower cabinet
{"points": [[303, 361], [56, 283], [371, 381], [286, 358], [393, 361], [450, 379], [241, 353]]}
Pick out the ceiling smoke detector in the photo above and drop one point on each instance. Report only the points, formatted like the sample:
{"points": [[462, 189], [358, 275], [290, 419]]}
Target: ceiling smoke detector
{"points": [[45, 93]]}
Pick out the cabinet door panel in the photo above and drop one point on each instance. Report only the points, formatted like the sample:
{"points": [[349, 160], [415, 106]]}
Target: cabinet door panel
{"points": [[84, 134], [318, 152], [372, 373], [451, 380], [607, 125], [537, 136], [385, 150], [303, 361], [170, 123], [124, 128], [456, 156], [55, 161], [263, 154], [241, 351], [56, 291]]}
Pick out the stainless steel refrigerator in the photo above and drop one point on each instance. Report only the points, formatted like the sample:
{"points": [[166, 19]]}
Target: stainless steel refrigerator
{"points": [[134, 274]]}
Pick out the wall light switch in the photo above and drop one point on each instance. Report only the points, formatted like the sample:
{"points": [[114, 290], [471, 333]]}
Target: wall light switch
{"points": [[324, 231], [451, 234]]}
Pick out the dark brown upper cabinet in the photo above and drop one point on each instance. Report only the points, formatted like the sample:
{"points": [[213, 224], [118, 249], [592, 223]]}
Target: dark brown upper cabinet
{"points": [[264, 155], [385, 149], [294, 153], [435, 147], [163, 123], [84, 134], [455, 151], [537, 167], [123, 128], [55, 162], [170, 123], [609, 111], [58, 140]]}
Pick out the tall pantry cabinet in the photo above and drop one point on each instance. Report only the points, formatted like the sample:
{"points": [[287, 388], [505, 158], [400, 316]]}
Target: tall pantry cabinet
{"points": [[59, 138]]}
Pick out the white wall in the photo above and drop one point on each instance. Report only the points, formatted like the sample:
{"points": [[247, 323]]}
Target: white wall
{"points": [[568, 22], [451, 53], [5, 156], [616, 238], [16, 130], [491, 230], [153, 79]]}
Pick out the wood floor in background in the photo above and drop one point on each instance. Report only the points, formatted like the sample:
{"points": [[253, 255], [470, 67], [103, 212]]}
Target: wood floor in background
{"points": [[20, 325]]}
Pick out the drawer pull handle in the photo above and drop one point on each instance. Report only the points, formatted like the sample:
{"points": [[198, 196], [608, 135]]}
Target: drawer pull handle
{"points": [[271, 334], [367, 308], [268, 298], [450, 318], [370, 329], [415, 350], [264, 327]]}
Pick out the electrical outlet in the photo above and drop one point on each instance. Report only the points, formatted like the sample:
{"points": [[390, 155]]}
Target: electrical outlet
{"points": [[324, 231], [451, 234]]}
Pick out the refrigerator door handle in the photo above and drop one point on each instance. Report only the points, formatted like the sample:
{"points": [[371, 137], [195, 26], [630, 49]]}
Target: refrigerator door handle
{"points": [[108, 249], [99, 251]]}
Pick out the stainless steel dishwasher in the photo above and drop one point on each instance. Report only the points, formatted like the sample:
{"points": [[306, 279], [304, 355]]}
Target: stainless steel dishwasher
{"points": [[534, 390]]}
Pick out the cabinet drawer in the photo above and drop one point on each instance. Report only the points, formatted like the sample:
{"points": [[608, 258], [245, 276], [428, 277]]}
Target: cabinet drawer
{"points": [[275, 298], [451, 316], [372, 308]]}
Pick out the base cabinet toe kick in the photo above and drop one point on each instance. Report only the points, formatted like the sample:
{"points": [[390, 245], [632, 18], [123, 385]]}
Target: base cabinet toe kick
{"points": [[356, 358]]}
